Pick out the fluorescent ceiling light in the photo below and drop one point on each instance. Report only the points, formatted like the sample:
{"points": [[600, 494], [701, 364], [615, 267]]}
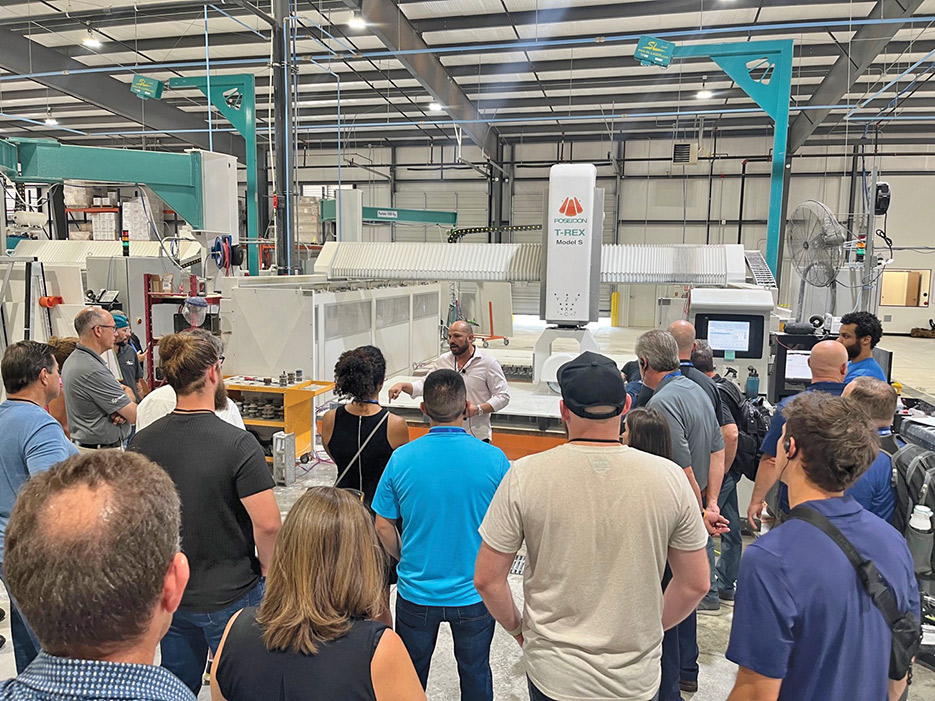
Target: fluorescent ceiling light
{"points": [[91, 41], [435, 107], [356, 22], [704, 95], [51, 121]]}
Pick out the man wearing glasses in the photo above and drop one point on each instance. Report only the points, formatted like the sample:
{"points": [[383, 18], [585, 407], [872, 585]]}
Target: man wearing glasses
{"points": [[100, 412]]}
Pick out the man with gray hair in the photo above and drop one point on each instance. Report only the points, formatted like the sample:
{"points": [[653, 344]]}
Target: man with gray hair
{"points": [[698, 448], [441, 485], [874, 490], [93, 559], [100, 411]]}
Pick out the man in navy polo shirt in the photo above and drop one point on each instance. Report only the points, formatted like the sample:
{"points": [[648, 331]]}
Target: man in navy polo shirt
{"points": [[804, 625], [441, 486], [828, 363]]}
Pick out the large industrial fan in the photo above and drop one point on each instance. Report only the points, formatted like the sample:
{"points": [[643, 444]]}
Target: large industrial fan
{"points": [[816, 242]]}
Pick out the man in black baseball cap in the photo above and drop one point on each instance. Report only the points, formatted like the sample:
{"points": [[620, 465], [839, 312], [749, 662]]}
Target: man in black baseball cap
{"points": [[596, 506], [592, 387]]}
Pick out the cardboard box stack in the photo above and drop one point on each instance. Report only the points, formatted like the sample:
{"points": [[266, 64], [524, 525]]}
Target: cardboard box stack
{"points": [[308, 218]]}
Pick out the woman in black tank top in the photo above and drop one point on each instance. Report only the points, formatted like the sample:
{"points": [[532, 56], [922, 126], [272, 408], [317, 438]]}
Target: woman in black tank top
{"points": [[361, 435], [314, 636]]}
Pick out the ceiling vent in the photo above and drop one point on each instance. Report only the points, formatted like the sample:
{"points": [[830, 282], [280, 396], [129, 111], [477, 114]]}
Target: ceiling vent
{"points": [[685, 154]]}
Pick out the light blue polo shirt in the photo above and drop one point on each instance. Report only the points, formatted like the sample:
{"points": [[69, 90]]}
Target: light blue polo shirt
{"points": [[868, 367], [441, 485]]}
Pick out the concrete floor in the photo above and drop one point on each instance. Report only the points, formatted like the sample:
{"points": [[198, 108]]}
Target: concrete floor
{"points": [[913, 363]]}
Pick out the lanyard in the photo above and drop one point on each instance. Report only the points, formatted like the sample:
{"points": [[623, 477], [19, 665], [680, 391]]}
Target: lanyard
{"points": [[446, 429], [671, 374]]}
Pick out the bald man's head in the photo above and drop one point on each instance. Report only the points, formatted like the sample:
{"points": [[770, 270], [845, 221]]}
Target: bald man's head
{"points": [[684, 334], [461, 338], [828, 362]]}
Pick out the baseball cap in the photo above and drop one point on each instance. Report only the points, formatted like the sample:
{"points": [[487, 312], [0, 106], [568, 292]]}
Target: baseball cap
{"points": [[120, 321], [592, 380]]}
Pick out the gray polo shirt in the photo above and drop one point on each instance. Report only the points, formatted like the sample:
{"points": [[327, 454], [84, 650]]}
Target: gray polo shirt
{"points": [[92, 394], [693, 427]]}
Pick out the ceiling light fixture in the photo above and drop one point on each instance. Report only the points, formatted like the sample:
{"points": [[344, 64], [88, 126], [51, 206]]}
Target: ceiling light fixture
{"points": [[91, 41], [435, 107], [49, 119], [356, 22], [704, 95]]}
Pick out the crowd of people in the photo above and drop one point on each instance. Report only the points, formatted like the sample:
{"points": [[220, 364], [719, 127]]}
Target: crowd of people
{"points": [[138, 520]]}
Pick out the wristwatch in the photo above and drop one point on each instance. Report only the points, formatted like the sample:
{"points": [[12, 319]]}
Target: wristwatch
{"points": [[480, 410]]}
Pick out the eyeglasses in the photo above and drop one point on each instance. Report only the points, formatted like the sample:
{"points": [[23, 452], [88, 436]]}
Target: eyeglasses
{"points": [[112, 327], [221, 359]]}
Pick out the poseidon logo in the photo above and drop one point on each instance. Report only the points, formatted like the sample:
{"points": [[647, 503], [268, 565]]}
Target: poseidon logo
{"points": [[571, 207]]}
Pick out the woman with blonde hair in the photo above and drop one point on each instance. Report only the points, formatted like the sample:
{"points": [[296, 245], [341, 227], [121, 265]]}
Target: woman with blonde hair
{"points": [[314, 636]]}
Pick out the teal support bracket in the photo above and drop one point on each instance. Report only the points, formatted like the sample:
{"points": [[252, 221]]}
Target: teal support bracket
{"points": [[235, 97], [763, 69], [175, 177], [394, 215]]}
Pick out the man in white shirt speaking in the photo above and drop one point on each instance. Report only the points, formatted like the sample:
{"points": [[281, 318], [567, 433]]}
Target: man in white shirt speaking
{"points": [[487, 391]]}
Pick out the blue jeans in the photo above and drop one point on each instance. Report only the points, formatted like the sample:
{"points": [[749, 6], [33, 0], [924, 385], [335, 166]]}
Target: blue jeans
{"points": [[185, 646], [728, 565], [472, 630], [25, 642]]}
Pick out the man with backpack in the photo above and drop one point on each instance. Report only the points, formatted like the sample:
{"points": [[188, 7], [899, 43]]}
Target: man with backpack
{"points": [[751, 426], [806, 626]]}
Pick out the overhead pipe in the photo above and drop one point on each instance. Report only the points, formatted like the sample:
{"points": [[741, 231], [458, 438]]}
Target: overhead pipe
{"points": [[501, 46], [497, 120]]}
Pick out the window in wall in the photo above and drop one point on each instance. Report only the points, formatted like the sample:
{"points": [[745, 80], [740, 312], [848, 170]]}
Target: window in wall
{"points": [[323, 191], [905, 288]]}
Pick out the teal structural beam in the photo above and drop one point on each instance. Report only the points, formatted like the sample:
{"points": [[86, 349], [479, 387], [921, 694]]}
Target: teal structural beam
{"points": [[394, 215], [175, 177], [763, 69], [235, 97]]}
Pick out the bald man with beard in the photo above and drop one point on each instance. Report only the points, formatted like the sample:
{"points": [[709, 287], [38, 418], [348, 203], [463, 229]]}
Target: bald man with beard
{"points": [[828, 363], [487, 390]]}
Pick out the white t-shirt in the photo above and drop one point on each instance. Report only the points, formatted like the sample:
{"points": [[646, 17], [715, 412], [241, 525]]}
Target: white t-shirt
{"points": [[597, 521], [161, 402]]}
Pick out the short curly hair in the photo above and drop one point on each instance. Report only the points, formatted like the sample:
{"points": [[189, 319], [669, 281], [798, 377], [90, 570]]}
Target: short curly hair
{"points": [[867, 325], [837, 440]]}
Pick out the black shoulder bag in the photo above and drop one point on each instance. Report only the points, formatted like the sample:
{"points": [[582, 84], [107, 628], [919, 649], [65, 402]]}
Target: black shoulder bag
{"points": [[906, 629]]}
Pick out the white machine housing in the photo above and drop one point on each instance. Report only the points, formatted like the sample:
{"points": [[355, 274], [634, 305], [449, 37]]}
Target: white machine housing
{"points": [[571, 246], [743, 315]]}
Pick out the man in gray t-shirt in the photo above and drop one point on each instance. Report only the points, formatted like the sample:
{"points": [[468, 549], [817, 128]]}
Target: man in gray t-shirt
{"points": [[99, 410], [698, 448]]}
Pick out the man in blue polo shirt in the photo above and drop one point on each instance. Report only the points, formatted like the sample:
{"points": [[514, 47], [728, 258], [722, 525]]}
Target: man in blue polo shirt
{"points": [[860, 333], [874, 490], [828, 363], [441, 486], [804, 625]]}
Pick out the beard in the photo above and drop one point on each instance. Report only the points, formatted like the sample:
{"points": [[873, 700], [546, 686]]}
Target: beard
{"points": [[852, 351], [220, 397]]}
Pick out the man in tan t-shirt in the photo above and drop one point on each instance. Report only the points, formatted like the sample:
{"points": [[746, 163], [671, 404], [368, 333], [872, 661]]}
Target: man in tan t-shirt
{"points": [[599, 520]]}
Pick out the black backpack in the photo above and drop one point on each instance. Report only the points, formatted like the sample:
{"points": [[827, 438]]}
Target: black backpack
{"points": [[913, 480], [752, 425]]}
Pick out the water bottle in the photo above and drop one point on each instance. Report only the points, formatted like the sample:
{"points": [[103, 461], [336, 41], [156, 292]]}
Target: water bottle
{"points": [[752, 388], [921, 539], [766, 520]]}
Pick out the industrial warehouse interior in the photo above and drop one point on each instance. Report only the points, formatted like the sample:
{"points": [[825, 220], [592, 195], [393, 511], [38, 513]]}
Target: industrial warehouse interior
{"points": [[390, 349]]}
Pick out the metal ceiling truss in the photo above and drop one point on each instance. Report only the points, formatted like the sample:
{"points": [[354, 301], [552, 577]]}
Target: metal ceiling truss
{"points": [[864, 47]]}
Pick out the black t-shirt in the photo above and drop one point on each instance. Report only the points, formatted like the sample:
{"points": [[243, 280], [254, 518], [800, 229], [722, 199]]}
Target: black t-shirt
{"points": [[214, 465]]}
